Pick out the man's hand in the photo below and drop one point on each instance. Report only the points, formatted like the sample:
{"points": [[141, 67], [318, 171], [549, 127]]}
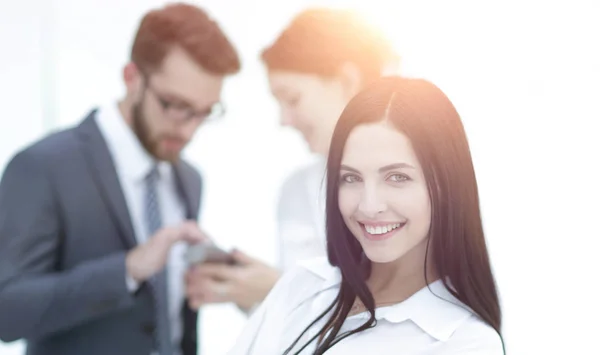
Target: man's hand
{"points": [[246, 283], [149, 258]]}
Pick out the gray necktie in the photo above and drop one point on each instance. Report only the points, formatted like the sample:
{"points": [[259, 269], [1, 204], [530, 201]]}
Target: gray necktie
{"points": [[158, 283]]}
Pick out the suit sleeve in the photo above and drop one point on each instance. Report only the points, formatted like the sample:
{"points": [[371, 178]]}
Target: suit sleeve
{"points": [[36, 300]]}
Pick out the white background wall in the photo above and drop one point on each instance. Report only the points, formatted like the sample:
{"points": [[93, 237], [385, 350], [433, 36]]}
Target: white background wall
{"points": [[523, 74]]}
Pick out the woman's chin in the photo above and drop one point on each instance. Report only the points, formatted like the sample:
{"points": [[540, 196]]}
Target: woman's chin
{"points": [[380, 257]]}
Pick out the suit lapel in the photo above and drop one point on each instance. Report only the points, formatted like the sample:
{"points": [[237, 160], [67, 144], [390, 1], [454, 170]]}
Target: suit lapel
{"points": [[103, 171], [189, 187]]}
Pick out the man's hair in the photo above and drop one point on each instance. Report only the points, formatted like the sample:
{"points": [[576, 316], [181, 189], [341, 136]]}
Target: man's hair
{"points": [[319, 40], [190, 28]]}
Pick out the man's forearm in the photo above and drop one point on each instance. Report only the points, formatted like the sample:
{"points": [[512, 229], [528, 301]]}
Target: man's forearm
{"points": [[38, 305]]}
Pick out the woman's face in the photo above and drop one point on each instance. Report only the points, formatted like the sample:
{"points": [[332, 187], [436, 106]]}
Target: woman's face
{"points": [[311, 104], [383, 195]]}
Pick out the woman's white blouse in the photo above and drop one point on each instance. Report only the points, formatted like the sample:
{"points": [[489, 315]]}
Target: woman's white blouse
{"points": [[431, 322], [301, 216]]}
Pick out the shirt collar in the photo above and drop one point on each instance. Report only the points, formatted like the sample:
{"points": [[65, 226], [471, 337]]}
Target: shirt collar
{"points": [[433, 308], [131, 158]]}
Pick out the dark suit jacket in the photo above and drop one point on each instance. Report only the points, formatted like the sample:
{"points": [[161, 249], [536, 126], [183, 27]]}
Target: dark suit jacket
{"points": [[64, 233]]}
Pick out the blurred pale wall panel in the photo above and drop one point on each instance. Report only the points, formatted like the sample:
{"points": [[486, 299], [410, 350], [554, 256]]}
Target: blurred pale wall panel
{"points": [[21, 88], [22, 61]]}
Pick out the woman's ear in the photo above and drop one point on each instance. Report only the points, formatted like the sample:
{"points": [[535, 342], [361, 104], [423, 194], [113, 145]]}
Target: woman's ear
{"points": [[351, 79]]}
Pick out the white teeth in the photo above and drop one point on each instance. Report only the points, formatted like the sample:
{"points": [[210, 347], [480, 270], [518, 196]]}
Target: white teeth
{"points": [[381, 229]]}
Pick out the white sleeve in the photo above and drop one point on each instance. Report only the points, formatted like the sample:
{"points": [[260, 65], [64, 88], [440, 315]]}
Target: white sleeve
{"points": [[271, 311], [298, 235], [474, 338], [285, 216]]}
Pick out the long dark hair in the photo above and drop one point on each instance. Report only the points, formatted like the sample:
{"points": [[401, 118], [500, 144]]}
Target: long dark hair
{"points": [[422, 112]]}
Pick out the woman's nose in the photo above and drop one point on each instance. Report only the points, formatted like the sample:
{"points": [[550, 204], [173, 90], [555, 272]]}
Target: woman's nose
{"points": [[372, 202]]}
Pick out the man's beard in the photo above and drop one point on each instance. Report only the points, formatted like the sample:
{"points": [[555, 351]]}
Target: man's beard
{"points": [[142, 131]]}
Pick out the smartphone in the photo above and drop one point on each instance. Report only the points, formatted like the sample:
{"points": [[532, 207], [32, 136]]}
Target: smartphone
{"points": [[207, 253]]}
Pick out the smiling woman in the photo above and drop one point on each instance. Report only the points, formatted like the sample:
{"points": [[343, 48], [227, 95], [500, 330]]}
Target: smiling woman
{"points": [[383, 192], [408, 265]]}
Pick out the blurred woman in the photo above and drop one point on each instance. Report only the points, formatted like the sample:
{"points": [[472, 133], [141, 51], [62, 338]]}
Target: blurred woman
{"points": [[407, 269], [314, 68]]}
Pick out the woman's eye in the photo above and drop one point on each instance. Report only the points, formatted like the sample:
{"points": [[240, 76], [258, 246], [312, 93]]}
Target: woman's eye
{"points": [[293, 101], [399, 178], [349, 179]]}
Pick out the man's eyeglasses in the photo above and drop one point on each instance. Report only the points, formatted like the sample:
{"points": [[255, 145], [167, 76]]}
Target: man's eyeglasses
{"points": [[182, 112]]}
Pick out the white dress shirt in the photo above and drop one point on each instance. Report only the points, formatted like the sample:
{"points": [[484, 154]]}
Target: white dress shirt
{"points": [[301, 216], [422, 324], [132, 163]]}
